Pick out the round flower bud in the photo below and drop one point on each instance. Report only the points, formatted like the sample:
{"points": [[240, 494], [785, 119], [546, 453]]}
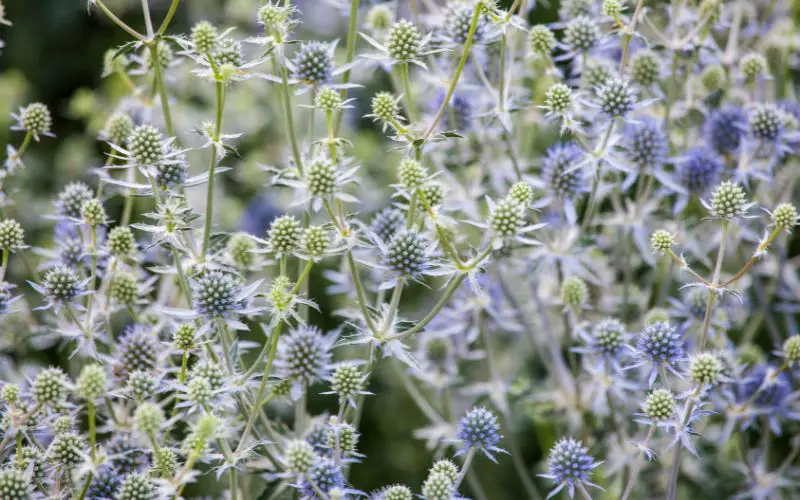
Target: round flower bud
{"points": [[284, 234], [570, 9], [570, 461], [725, 129], [434, 193], [229, 54], [608, 335], [212, 372], [728, 201], [282, 388], [14, 485], [93, 213], [612, 8], [124, 288], [32, 458], [142, 385], [711, 9], [660, 342], [646, 144], [791, 350], [406, 254], [321, 178], [11, 393], [215, 293], [522, 193], [50, 386], [617, 98], [479, 428], [199, 390], [380, 18], [62, 284], [713, 78], [574, 292], [785, 217], [166, 462], [558, 98], [403, 41], [172, 173], [66, 450], [184, 336], [145, 145], [325, 475], [541, 40], [148, 418], [92, 382], [347, 381], [63, 425], [272, 16], [700, 170], [765, 122], [11, 234], [118, 128], [396, 492], [137, 350], [304, 355], [328, 100], [313, 64], [507, 217], [661, 241], [300, 456], [165, 56], [137, 486], [705, 368], [645, 68], [659, 405], [35, 118], [206, 427], [438, 487], [656, 315], [411, 173], [121, 241], [385, 106], [558, 172], [457, 23], [752, 66], [315, 241], [387, 223], [581, 34], [595, 76], [72, 198], [240, 247], [204, 37], [347, 438], [446, 467]]}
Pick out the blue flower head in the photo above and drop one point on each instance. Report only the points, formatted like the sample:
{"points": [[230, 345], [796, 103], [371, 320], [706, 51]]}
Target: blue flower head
{"points": [[480, 429], [661, 345], [324, 476], [313, 64], [216, 293], [570, 465], [700, 170], [725, 129], [646, 144], [558, 170]]}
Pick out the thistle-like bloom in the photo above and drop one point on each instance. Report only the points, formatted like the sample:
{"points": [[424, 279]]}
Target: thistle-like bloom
{"points": [[479, 429], [661, 346], [571, 466], [61, 286], [305, 357]]}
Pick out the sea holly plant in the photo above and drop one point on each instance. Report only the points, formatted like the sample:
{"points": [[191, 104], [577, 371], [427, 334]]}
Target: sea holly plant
{"points": [[411, 249]]}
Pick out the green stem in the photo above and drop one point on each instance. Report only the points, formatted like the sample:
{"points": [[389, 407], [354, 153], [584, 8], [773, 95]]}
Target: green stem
{"points": [[170, 14], [287, 109], [86, 484], [276, 333], [473, 27], [404, 79], [119, 21], [92, 429], [162, 91], [350, 52], [212, 168]]}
